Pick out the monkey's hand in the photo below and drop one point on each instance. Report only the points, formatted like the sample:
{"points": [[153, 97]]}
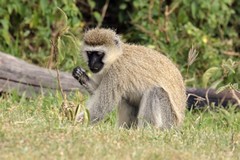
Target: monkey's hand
{"points": [[80, 75]]}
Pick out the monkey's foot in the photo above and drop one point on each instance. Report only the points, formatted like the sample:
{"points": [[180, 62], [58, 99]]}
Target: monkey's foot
{"points": [[80, 75]]}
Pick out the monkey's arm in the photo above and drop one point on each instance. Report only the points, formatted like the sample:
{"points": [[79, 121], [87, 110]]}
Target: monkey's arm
{"points": [[103, 101], [80, 75]]}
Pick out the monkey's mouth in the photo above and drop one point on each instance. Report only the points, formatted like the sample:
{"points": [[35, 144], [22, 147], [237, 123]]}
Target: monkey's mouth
{"points": [[95, 70], [96, 67]]}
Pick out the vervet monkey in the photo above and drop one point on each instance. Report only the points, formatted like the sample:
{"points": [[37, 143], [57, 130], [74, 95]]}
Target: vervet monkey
{"points": [[144, 84]]}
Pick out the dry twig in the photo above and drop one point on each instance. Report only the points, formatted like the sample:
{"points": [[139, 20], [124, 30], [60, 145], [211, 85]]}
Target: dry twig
{"points": [[104, 11]]}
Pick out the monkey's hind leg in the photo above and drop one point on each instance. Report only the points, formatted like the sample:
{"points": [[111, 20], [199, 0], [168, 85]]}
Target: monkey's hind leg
{"points": [[127, 115], [155, 108]]}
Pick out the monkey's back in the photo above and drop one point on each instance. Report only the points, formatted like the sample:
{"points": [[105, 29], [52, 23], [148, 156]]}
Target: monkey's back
{"points": [[141, 68]]}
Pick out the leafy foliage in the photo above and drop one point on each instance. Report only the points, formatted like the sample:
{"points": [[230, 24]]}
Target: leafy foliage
{"points": [[172, 27], [27, 27]]}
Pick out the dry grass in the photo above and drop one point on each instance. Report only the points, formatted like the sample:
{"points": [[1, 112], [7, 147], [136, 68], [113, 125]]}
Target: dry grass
{"points": [[32, 129]]}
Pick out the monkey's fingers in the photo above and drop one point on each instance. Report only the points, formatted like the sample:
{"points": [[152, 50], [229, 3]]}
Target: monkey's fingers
{"points": [[78, 72], [80, 75]]}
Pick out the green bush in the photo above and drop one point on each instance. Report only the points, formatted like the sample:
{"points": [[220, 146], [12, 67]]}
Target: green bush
{"points": [[172, 27], [26, 27], [175, 27]]}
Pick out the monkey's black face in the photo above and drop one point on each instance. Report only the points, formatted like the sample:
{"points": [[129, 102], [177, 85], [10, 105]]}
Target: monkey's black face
{"points": [[95, 63]]}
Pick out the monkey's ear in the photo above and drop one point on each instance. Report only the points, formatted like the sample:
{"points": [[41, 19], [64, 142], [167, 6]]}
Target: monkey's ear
{"points": [[117, 40]]}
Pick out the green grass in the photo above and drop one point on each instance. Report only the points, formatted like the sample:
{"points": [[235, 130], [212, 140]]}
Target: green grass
{"points": [[34, 129]]}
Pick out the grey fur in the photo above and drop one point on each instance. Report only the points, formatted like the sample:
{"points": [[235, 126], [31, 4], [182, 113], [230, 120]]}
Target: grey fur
{"points": [[155, 108], [127, 115]]}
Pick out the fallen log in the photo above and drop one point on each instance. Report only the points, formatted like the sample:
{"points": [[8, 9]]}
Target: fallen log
{"points": [[199, 98], [18, 75]]}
